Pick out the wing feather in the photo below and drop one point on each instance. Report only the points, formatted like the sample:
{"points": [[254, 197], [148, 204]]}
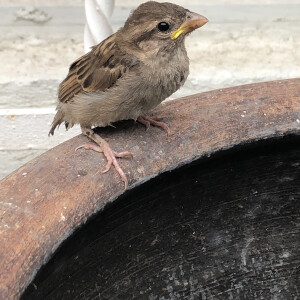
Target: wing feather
{"points": [[97, 70]]}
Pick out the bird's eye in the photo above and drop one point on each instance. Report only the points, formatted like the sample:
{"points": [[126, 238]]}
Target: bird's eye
{"points": [[163, 26]]}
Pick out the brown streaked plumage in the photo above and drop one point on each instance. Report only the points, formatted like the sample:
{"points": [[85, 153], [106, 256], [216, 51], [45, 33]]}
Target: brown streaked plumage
{"points": [[129, 73]]}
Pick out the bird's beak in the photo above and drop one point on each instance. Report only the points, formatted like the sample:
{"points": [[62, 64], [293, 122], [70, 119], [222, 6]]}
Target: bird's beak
{"points": [[195, 21]]}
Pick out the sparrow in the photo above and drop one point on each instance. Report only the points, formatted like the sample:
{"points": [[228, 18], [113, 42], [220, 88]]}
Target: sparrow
{"points": [[127, 74]]}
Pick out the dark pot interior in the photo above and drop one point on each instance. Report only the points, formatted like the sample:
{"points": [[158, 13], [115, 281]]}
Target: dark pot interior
{"points": [[223, 227]]}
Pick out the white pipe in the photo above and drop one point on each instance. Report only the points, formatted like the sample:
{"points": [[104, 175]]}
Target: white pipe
{"points": [[97, 27]]}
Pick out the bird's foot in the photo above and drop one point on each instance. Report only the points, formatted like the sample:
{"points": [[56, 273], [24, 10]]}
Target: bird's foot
{"points": [[110, 156], [147, 121]]}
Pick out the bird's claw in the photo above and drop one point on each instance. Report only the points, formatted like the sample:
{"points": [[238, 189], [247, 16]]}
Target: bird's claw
{"points": [[90, 146], [147, 121], [110, 155]]}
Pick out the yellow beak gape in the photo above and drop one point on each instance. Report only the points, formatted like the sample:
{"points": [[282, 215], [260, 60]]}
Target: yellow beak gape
{"points": [[177, 33]]}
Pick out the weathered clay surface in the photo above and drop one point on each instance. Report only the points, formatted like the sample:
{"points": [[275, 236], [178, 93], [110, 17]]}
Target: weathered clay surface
{"points": [[222, 227], [45, 200]]}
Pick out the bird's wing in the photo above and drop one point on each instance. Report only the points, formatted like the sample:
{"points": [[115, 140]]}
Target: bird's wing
{"points": [[98, 70]]}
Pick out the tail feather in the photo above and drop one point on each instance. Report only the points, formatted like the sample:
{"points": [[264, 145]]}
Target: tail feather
{"points": [[58, 119]]}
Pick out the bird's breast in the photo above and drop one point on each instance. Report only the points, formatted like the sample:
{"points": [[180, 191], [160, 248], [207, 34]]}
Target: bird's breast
{"points": [[142, 89], [166, 77]]}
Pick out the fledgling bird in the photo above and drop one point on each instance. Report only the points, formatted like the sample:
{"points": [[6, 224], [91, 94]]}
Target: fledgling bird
{"points": [[128, 74]]}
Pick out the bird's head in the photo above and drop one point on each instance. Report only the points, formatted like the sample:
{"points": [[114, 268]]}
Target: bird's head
{"points": [[156, 25]]}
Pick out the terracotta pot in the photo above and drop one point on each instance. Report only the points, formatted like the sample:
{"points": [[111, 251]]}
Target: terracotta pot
{"points": [[212, 211]]}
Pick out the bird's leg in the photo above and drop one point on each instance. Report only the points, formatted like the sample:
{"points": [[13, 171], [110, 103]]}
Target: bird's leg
{"points": [[147, 121], [103, 147]]}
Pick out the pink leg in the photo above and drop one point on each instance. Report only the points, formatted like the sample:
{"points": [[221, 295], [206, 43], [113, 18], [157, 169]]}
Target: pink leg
{"points": [[103, 147], [147, 121]]}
